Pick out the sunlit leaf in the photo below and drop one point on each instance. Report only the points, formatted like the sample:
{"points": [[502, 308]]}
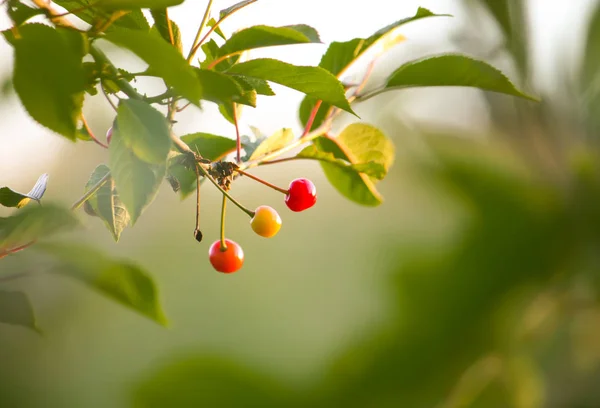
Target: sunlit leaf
{"points": [[162, 23], [358, 143], [276, 141], [371, 169]]}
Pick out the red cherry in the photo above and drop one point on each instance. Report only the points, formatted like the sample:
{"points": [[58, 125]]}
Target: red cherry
{"points": [[109, 135], [227, 261], [301, 195]]}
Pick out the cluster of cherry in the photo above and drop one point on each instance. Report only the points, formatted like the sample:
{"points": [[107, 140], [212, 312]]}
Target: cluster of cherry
{"points": [[227, 256]]}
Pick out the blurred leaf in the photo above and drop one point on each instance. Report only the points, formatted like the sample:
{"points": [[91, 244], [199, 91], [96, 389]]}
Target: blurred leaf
{"points": [[211, 23], [16, 309], [161, 23], [144, 131], [120, 280], [371, 169], [207, 382], [232, 9], [218, 87], [266, 36], [452, 70], [359, 143], [449, 297], [51, 92], [340, 55], [313, 81], [34, 222], [589, 78], [163, 60], [137, 4], [136, 181], [10, 198], [512, 19], [20, 13], [106, 203], [276, 141]]}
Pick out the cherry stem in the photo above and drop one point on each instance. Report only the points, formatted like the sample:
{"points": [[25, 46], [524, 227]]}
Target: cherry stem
{"points": [[225, 193], [223, 207], [196, 44], [311, 118], [169, 27], [87, 128], [266, 183], [238, 140], [197, 200]]}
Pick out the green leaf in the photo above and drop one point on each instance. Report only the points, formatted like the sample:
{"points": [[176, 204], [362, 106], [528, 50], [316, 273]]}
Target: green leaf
{"points": [[88, 11], [136, 181], [452, 70], [106, 203], [340, 55], [266, 36], [123, 281], [211, 147], [10, 198], [232, 9], [163, 60], [276, 141], [218, 87], [16, 309], [20, 13], [358, 143], [34, 222], [210, 50], [161, 23], [144, 131], [313, 81], [52, 91], [211, 23], [137, 4], [371, 168]]}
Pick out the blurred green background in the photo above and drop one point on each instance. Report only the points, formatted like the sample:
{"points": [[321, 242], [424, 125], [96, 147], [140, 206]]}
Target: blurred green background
{"points": [[475, 284]]}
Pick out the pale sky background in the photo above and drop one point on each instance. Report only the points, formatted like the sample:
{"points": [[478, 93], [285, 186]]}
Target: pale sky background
{"points": [[28, 149]]}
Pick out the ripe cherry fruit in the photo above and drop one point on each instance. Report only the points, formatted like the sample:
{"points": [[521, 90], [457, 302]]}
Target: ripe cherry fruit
{"points": [[109, 133], [229, 260], [301, 195], [266, 222]]}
